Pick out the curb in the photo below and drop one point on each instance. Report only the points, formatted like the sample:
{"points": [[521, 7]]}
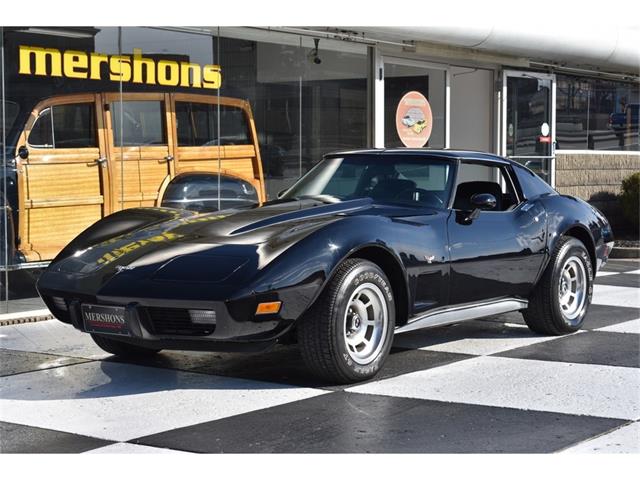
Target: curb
{"points": [[24, 317], [625, 252]]}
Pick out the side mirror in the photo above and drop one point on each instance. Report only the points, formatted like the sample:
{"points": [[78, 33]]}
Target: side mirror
{"points": [[23, 153], [483, 201], [479, 201]]}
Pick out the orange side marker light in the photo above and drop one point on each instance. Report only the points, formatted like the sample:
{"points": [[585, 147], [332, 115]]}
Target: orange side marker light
{"points": [[268, 307]]}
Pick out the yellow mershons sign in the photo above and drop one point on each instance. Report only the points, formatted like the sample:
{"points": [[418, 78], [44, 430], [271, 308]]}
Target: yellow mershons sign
{"points": [[134, 68]]}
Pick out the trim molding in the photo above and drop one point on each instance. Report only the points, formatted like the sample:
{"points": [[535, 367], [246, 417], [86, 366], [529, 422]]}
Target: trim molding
{"points": [[461, 313]]}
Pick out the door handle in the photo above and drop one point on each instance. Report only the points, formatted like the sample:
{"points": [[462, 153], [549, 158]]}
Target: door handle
{"points": [[100, 161], [167, 159]]}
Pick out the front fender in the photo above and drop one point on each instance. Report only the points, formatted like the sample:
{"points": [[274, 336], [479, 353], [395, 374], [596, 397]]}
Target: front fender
{"points": [[302, 270]]}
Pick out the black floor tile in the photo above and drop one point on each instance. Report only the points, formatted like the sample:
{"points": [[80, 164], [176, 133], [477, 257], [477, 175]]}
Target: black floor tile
{"points": [[621, 265], [620, 280], [595, 348], [284, 364], [344, 422], [13, 362], [511, 317], [598, 316], [23, 439]]}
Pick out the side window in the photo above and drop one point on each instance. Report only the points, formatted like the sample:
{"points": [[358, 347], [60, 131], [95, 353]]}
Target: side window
{"points": [[143, 123], [474, 178], [41, 135], [65, 126], [532, 185], [197, 125]]}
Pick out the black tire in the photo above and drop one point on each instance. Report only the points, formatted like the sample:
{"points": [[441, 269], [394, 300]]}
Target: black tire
{"points": [[544, 314], [322, 331], [122, 349]]}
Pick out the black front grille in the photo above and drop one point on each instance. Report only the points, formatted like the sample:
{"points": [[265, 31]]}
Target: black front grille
{"points": [[174, 321]]}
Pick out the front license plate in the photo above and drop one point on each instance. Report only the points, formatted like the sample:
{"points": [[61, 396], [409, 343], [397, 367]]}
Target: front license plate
{"points": [[103, 319]]}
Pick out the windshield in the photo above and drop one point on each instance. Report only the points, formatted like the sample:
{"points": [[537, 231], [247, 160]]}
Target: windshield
{"points": [[418, 180]]}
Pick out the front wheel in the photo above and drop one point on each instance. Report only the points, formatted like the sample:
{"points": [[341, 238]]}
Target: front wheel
{"points": [[560, 301], [347, 334]]}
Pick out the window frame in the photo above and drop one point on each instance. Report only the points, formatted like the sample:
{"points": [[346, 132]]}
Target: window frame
{"points": [[507, 172], [49, 107]]}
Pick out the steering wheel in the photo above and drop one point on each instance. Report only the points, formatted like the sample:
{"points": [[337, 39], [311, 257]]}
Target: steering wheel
{"points": [[425, 196]]}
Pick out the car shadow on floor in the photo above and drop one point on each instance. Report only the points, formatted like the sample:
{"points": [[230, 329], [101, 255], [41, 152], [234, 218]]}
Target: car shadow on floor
{"points": [[281, 367]]}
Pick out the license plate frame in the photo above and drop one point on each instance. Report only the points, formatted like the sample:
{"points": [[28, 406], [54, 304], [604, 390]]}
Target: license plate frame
{"points": [[107, 319]]}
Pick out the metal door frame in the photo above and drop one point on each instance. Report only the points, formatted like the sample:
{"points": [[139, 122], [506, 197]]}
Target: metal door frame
{"points": [[552, 106]]}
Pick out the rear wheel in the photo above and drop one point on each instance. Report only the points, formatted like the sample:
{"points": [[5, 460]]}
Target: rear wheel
{"points": [[560, 301], [122, 349], [347, 334]]}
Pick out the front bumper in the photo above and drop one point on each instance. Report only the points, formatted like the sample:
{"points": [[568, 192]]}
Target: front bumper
{"points": [[165, 324]]}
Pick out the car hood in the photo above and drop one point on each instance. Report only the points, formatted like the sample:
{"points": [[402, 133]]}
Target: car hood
{"points": [[272, 226]]}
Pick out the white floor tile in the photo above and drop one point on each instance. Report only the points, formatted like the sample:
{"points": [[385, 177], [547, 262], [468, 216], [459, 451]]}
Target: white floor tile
{"points": [[623, 440], [50, 336], [602, 273], [616, 296], [594, 390], [132, 448], [632, 326], [120, 402]]}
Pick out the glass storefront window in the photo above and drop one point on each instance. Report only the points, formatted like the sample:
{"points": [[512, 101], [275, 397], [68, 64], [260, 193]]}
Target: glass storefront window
{"points": [[140, 106], [596, 114]]}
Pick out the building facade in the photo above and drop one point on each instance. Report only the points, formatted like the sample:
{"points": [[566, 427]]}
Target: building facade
{"points": [[566, 109]]}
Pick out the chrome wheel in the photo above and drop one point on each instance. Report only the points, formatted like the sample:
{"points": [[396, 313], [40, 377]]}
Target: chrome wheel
{"points": [[572, 290], [365, 323]]}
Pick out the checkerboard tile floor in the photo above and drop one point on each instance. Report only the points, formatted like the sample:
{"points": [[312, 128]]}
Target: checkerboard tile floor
{"points": [[482, 386]]}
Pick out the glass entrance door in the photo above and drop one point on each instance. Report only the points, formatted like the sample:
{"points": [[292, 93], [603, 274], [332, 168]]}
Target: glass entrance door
{"points": [[528, 121], [412, 88]]}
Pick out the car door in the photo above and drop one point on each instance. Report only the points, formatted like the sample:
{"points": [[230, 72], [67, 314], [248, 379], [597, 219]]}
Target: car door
{"points": [[499, 253], [141, 147], [62, 174]]}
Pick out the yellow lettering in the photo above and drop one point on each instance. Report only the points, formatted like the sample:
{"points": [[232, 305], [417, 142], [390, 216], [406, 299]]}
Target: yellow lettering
{"points": [[139, 69], [174, 75], [211, 77], [186, 72], [75, 64], [138, 62], [97, 59], [40, 55], [120, 68]]}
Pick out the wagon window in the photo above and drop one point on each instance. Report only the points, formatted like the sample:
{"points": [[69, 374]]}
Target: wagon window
{"points": [[65, 126], [197, 125], [41, 135], [143, 123]]}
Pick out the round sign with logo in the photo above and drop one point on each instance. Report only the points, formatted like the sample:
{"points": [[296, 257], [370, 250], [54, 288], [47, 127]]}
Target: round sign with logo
{"points": [[414, 120]]}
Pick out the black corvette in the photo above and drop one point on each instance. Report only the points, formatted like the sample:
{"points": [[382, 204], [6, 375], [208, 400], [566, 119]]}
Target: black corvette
{"points": [[365, 245]]}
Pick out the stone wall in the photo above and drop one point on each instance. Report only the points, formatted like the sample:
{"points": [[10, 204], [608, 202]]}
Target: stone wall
{"points": [[597, 178]]}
